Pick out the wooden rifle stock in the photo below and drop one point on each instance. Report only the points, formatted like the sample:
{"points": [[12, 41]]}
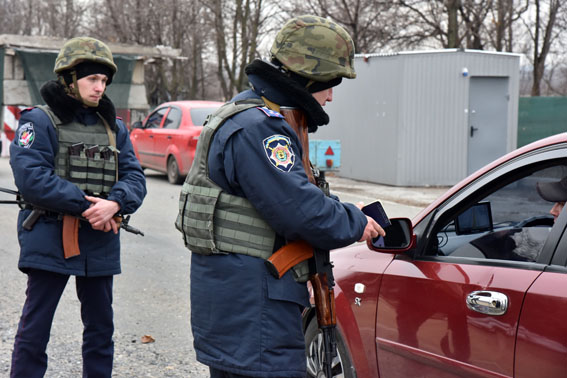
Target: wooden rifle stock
{"points": [[324, 300], [322, 282]]}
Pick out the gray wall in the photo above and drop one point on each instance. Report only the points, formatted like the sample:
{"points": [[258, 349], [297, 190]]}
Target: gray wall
{"points": [[404, 119]]}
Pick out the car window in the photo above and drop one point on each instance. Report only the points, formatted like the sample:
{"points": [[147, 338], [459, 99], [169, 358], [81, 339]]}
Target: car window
{"points": [[511, 223], [199, 115], [154, 120], [173, 119]]}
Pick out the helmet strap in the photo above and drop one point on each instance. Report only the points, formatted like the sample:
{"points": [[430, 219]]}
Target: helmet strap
{"points": [[74, 90]]}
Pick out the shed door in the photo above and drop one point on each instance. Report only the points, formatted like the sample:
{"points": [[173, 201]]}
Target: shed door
{"points": [[488, 120]]}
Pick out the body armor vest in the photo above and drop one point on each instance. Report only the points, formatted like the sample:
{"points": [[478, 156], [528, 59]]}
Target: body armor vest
{"points": [[87, 155], [215, 222]]}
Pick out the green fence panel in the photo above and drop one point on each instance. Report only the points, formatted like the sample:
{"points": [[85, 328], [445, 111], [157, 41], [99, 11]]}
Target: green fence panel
{"points": [[540, 117], [38, 68]]}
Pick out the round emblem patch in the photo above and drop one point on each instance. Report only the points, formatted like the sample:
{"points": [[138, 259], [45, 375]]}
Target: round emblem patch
{"points": [[26, 135], [279, 152]]}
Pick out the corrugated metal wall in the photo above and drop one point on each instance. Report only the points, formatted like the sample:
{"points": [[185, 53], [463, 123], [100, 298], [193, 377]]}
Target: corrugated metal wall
{"points": [[404, 119]]}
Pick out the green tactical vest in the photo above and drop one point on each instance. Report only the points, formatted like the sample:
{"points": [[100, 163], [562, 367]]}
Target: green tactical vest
{"points": [[215, 222], [87, 156]]}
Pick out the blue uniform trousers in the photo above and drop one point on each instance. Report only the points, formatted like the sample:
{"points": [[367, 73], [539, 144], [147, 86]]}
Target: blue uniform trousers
{"points": [[216, 373], [44, 290]]}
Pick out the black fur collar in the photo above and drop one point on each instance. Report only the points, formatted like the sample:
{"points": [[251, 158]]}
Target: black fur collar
{"points": [[290, 89], [66, 107]]}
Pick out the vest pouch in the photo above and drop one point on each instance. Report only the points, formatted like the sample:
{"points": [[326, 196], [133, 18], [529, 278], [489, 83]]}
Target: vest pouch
{"points": [[109, 174], [180, 214], [78, 170], [95, 167], [195, 220]]}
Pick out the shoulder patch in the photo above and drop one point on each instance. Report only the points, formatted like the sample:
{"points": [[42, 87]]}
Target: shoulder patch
{"points": [[279, 152], [269, 112], [26, 135]]}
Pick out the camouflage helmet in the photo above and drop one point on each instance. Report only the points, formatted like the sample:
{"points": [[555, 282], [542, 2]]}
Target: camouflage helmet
{"points": [[82, 49], [315, 48]]}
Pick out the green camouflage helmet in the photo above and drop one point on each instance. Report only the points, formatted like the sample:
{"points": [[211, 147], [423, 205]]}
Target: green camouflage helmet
{"points": [[82, 49], [315, 48]]}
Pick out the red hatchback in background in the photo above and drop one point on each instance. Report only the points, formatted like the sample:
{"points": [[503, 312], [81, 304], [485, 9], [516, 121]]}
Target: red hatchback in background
{"points": [[474, 286], [167, 138]]}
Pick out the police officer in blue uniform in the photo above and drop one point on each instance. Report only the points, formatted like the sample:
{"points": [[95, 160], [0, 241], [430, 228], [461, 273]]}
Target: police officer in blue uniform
{"points": [[73, 157], [247, 194]]}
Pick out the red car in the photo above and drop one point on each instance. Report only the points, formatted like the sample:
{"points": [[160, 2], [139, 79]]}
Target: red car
{"points": [[166, 139], [474, 286]]}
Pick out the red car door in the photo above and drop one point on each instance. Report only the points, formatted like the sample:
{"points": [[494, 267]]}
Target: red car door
{"points": [[425, 329], [541, 349], [480, 280], [144, 137], [167, 135]]}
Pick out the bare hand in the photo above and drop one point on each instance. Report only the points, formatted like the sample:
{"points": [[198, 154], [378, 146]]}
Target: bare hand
{"points": [[100, 214], [372, 230]]}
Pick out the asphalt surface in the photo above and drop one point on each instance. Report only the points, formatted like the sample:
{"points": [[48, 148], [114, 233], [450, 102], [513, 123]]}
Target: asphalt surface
{"points": [[151, 296]]}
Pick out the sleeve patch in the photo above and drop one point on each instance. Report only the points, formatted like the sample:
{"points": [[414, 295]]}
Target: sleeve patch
{"points": [[269, 112], [26, 135], [279, 152]]}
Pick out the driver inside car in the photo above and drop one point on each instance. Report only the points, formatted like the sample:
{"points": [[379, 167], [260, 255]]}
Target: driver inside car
{"points": [[521, 243], [554, 192]]}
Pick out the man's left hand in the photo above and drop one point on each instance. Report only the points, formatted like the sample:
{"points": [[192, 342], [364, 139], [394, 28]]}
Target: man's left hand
{"points": [[100, 214]]}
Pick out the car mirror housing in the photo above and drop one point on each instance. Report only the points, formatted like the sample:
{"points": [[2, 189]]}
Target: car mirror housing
{"points": [[399, 237]]}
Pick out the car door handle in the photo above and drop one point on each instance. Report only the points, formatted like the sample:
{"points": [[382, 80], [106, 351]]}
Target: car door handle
{"points": [[169, 137], [488, 302], [151, 136]]}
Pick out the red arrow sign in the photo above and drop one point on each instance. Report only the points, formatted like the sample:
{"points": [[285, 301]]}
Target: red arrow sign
{"points": [[329, 151]]}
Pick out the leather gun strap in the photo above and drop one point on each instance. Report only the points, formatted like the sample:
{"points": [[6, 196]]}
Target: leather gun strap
{"points": [[70, 236]]}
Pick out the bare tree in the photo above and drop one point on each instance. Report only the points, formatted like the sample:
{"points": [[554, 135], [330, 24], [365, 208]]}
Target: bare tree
{"points": [[504, 16], [452, 23], [545, 30], [176, 23], [430, 20], [58, 18], [236, 26]]}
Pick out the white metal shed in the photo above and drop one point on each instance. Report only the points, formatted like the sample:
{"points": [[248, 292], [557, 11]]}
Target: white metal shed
{"points": [[426, 117]]}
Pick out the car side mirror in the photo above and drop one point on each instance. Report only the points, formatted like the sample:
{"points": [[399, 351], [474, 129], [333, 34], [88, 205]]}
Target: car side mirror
{"points": [[399, 237], [137, 125]]}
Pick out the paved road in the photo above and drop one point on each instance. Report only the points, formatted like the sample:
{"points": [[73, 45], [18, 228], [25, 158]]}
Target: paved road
{"points": [[152, 293]]}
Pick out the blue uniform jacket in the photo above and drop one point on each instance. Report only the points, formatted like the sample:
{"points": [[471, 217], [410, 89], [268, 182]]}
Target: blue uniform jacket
{"points": [[33, 164], [244, 320]]}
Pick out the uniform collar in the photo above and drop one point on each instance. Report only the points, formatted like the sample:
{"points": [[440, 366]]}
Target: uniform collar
{"points": [[269, 82]]}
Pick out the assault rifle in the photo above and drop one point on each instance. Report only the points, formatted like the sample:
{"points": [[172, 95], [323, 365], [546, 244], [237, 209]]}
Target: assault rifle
{"points": [[322, 282], [70, 222]]}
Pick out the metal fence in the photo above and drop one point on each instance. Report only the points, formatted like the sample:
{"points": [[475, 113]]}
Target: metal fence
{"points": [[540, 117]]}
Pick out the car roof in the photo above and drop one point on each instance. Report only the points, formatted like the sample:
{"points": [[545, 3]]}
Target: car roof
{"points": [[549, 141]]}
